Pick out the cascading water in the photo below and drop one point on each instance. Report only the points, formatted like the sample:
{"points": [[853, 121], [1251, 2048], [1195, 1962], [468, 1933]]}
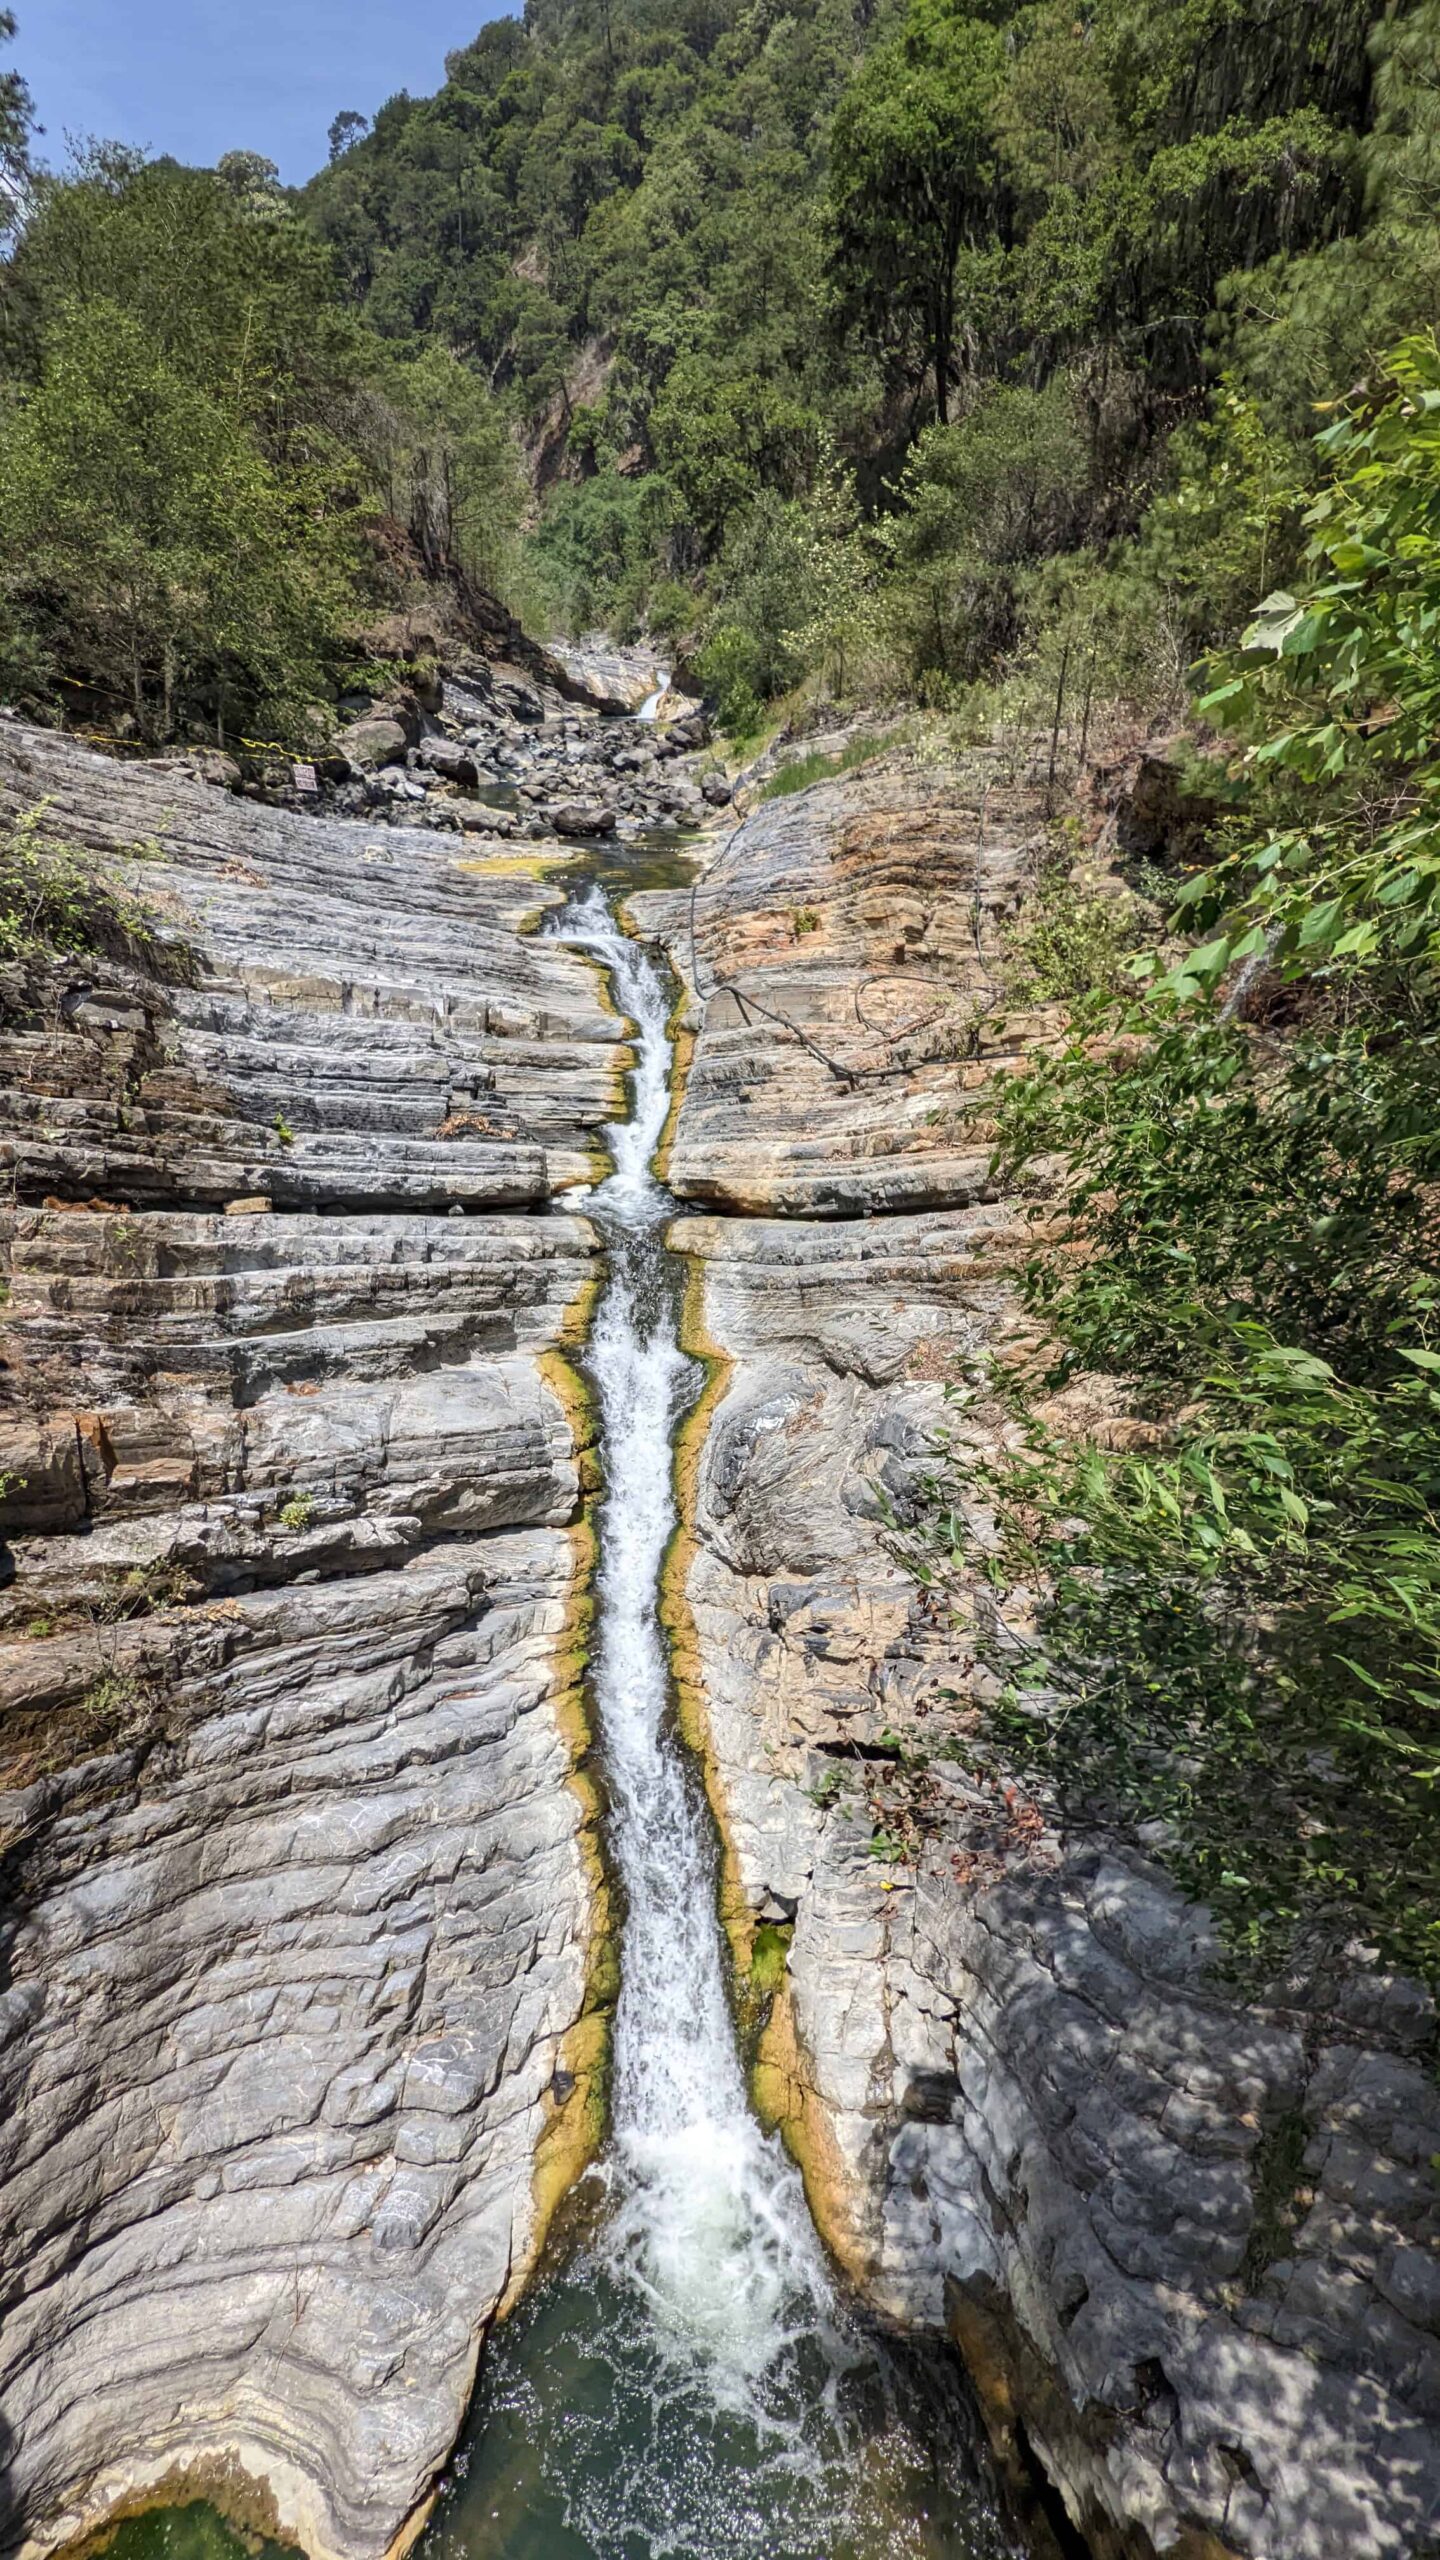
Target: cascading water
{"points": [[689, 2386], [650, 707], [709, 2220]]}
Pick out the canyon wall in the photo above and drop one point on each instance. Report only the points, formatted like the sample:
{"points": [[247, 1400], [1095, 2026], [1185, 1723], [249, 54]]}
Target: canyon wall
{"points": [[301, 1896], [1187, 2248], [303, 1918]]}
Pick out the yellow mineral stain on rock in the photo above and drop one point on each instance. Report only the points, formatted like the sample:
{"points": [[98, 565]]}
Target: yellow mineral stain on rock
{"points": [[575, 2126], [786, 2104], [516, 866], [676, 1618], [683, 1044], [780, 2081]]}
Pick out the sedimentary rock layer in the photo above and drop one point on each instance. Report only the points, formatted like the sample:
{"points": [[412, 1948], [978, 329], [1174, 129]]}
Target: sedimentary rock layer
{"points": [[299, 1879], [839, 943], [1189, 2249]]}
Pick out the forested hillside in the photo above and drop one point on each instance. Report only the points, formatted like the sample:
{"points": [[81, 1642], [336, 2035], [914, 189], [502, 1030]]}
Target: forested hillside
{"points": [[894, 350], [831, 329]]}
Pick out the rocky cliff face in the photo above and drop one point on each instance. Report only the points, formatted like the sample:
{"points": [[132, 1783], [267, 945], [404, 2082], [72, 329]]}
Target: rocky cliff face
{"points": [[1187, 2248], [300, 1893], [300, 2012]]}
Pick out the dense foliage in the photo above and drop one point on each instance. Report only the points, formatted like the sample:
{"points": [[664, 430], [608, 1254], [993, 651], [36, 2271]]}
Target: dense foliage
{"points": [[16, 119], [1240, 1641], [198, 441], [1029, 280], [875, 347]]}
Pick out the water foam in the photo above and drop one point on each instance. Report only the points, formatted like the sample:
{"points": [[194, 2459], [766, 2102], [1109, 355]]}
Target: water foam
{"points": [[708, 2221]]}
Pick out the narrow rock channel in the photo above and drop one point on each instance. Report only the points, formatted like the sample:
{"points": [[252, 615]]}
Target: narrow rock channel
{"points": [[693, 2381]]}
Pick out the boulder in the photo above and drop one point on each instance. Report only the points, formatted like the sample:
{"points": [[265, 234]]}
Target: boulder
{"points": [[211, 764], [582, 817], [448, 757], [368, 745]]}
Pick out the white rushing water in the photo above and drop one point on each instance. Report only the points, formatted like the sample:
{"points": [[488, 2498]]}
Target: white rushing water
{"points": [[650, 707], [708, 2218]]}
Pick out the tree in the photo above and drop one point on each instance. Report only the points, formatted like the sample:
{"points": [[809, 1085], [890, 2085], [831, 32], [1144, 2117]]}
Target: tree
{"points": [[232, 290], [345, 130], [913, 177], [450, 468], [253, 181], [600, 545], [146, 537], [982, 497], [16, 124], [177, 482], [721, 437]]}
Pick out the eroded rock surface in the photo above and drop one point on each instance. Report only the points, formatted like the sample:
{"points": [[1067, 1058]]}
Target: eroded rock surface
{"points": [[1188, 2249], [299, 1876], [839, 943]]}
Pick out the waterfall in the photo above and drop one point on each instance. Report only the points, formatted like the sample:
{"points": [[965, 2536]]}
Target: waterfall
{"points": [[689, 2384], [709, 2219], [650, 707]]}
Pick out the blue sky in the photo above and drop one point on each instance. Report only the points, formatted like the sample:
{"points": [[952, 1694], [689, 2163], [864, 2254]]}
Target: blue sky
{"points": [[198, 77]]}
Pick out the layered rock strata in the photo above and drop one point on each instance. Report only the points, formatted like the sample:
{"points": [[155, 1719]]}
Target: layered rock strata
{"points": [[1188, 2249], [300, 1881]]}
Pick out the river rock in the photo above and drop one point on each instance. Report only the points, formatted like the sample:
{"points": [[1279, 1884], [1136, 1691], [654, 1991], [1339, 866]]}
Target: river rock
{"points": [[582, 817], [369, 744], [1032, 2114], [446, 756], [299, 1904]]}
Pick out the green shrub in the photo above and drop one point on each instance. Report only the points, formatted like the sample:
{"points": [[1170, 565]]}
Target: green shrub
{"points": [[1067, 943], [57, 901], [818, 767]]}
